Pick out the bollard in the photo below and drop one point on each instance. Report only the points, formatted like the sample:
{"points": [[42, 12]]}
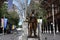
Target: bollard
{"points": [[45, 38]]}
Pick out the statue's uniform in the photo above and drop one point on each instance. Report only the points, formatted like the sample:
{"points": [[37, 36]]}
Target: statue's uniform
{"points": [[33, 25]]}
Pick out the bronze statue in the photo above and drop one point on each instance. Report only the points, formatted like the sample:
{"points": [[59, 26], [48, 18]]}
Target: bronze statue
{"points": [[32, 24]]}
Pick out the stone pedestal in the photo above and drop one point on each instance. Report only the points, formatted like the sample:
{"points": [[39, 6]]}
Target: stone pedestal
{"points": [[25, 29]]}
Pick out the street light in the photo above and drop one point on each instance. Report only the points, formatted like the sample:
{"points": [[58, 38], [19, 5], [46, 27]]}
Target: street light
{"points": [[39, 28], [53, 20]]}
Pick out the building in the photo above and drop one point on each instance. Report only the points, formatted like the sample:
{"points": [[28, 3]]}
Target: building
{"points": [[47, 5], [31, 6], [1, 2]]}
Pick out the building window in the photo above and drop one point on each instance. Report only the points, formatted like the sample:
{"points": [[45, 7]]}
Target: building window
{"points": [[56, 10]]}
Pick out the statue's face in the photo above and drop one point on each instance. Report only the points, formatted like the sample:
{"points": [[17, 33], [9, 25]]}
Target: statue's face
{"points": [[33, 15]]}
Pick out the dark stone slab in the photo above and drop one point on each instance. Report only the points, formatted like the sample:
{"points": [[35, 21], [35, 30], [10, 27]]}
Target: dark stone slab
{"points": [[32, 36]]}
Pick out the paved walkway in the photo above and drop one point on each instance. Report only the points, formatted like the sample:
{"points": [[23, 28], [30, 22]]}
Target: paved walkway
{"points": [[50, 37], [24, 37]]}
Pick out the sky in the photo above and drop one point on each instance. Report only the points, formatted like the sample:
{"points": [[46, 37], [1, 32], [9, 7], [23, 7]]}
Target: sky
{"points": [[17, 4], [29, 2], [19, 7], [10, 3]]}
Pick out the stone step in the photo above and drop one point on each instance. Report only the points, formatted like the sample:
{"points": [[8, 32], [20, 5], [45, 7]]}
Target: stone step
{"points": [[32, 38]]}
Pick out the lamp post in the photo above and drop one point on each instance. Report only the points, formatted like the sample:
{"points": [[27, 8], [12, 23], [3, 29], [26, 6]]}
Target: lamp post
{"points": [[39, 28], [53, 19]]}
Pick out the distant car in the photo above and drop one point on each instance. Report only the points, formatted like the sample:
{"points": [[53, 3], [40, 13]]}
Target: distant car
{"points": [[18, 29]]}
